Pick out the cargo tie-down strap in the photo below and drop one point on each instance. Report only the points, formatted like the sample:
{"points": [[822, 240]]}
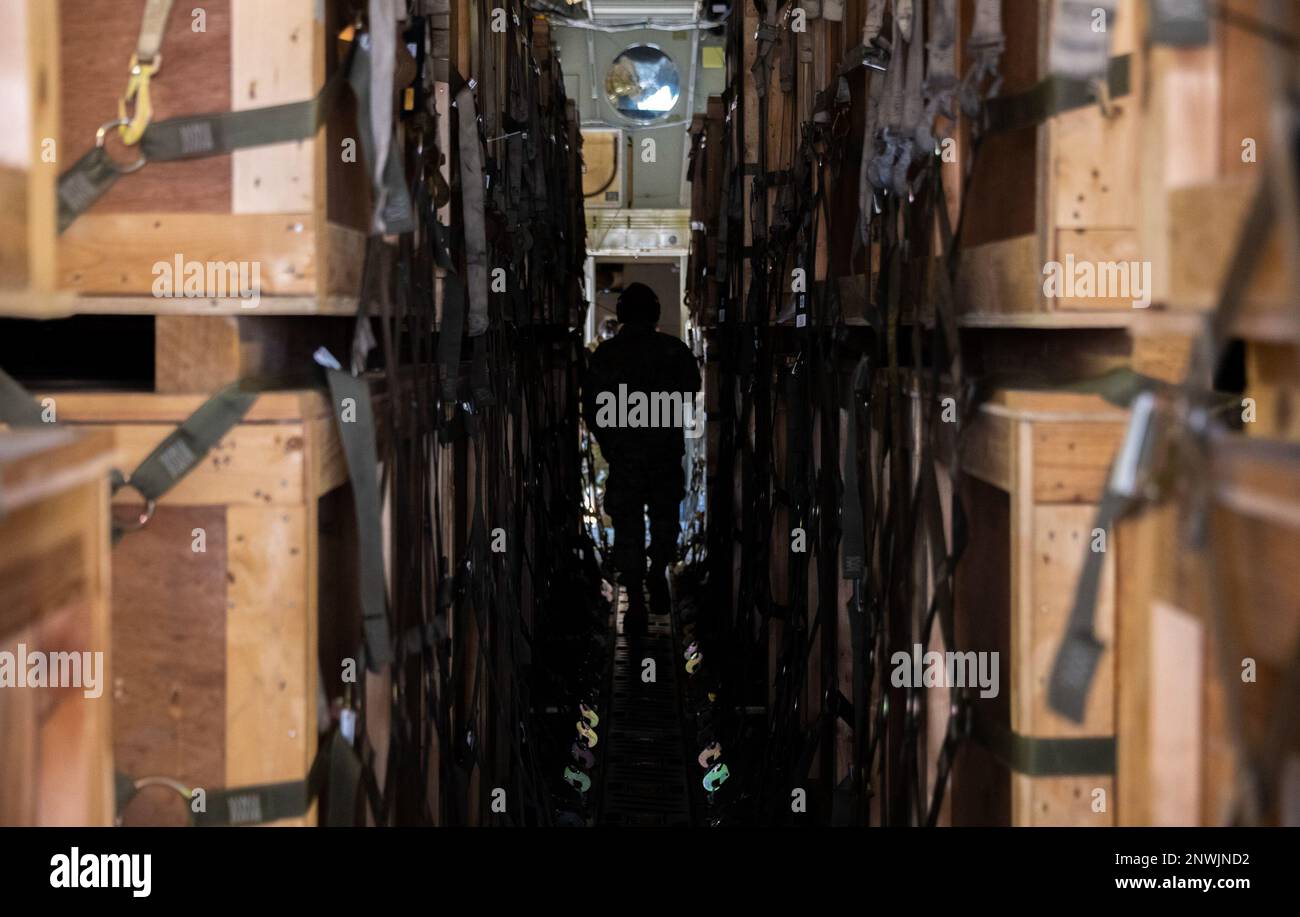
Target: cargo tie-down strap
{"points": [[1033, 756], [17, 407], [172, 459], [1076, 659], [359, 448], [185, 448], [215, 134], [193, 137], [1056, 95], [335, 763], [471, 189]]}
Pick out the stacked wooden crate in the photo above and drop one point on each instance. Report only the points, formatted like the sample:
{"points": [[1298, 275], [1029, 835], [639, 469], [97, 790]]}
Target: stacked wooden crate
{"points": [[1062, 190], [27, 176], [220, 599], [248, 565], [1209, 631], [1163, 179], [1035, 466], [298, 210], [56, 761]]}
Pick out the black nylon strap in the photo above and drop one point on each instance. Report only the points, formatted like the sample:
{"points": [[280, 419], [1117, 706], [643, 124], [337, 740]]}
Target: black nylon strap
{"points": [[1053, 96], [255, 805], [268, 802], [358, 436], [86, 182], [17, 407], [853, 548], [197, 136], [178, 454], [1040, 757], [344, 780], [449, 336], [1076, 659]]}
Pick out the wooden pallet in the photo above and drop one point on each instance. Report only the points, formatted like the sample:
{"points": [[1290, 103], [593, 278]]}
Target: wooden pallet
{"points": [[296, 211], [56, 762], [216, 662]]}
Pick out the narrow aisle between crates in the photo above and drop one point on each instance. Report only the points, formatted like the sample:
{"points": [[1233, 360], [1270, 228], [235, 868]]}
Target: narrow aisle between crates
{"points": [[721, 413]]}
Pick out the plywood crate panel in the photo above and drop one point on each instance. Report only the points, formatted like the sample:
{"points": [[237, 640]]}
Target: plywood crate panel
{"points": [[216, 679], [56, 761], [295, 210]]}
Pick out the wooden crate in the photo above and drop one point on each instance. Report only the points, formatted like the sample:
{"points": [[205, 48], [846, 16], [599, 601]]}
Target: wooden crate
{"points": [[1196, 177], [295, 211], [216, 650], [1207, 140], [27, 184], [1178, 762], [1063, 189], [1034, 465], [56, 761]]}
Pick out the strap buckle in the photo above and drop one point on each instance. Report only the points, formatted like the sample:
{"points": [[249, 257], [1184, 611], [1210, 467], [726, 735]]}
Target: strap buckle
{"points": [[1101, 88], [1131, 472], [137, 94]]}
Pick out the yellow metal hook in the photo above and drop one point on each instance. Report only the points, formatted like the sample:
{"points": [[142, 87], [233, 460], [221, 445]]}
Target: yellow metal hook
{"points": [[137, 94]]}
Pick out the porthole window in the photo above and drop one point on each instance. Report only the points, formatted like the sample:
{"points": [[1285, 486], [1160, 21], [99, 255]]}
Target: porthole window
{"points": [[643, 84]]}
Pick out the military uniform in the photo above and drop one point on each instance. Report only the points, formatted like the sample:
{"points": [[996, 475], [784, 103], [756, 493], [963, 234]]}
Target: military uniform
{"points": [[645, 463]]}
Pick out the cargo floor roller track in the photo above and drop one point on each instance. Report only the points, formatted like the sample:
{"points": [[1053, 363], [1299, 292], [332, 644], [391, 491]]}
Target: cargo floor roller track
{"points": [[645, 776]]}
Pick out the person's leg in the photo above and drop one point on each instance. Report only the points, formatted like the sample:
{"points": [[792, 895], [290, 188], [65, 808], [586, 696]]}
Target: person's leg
{"points": [[625, 504], [665, 503]]}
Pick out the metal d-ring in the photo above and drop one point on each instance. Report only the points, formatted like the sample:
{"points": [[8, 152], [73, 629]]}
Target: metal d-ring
{"points": [[102, 134], [150, 505], [145, 782]]}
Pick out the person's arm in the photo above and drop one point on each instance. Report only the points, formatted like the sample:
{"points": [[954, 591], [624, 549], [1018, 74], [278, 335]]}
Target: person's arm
{"points": [[595, 382], [689, 371]]}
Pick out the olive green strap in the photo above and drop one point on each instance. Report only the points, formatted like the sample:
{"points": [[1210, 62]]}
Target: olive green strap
{"points": [[17, 407], [1033, 756], [1053, 96], [268, 802]]}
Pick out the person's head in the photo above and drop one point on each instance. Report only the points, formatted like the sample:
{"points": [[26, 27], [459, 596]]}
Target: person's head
{"points": [[638, 304]]}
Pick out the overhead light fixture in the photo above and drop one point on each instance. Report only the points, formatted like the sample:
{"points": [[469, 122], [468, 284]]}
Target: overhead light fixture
{"points": [[639, 9]]}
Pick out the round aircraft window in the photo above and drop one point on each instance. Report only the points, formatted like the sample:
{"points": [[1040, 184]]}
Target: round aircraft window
{"points": [[643, 84]]}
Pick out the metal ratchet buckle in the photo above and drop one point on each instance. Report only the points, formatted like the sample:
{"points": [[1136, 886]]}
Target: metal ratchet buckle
{"points": [[144, 518], [102, 134]]}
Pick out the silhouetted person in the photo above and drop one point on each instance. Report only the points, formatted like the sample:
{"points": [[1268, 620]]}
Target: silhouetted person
{"points": [[638, 400]]}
